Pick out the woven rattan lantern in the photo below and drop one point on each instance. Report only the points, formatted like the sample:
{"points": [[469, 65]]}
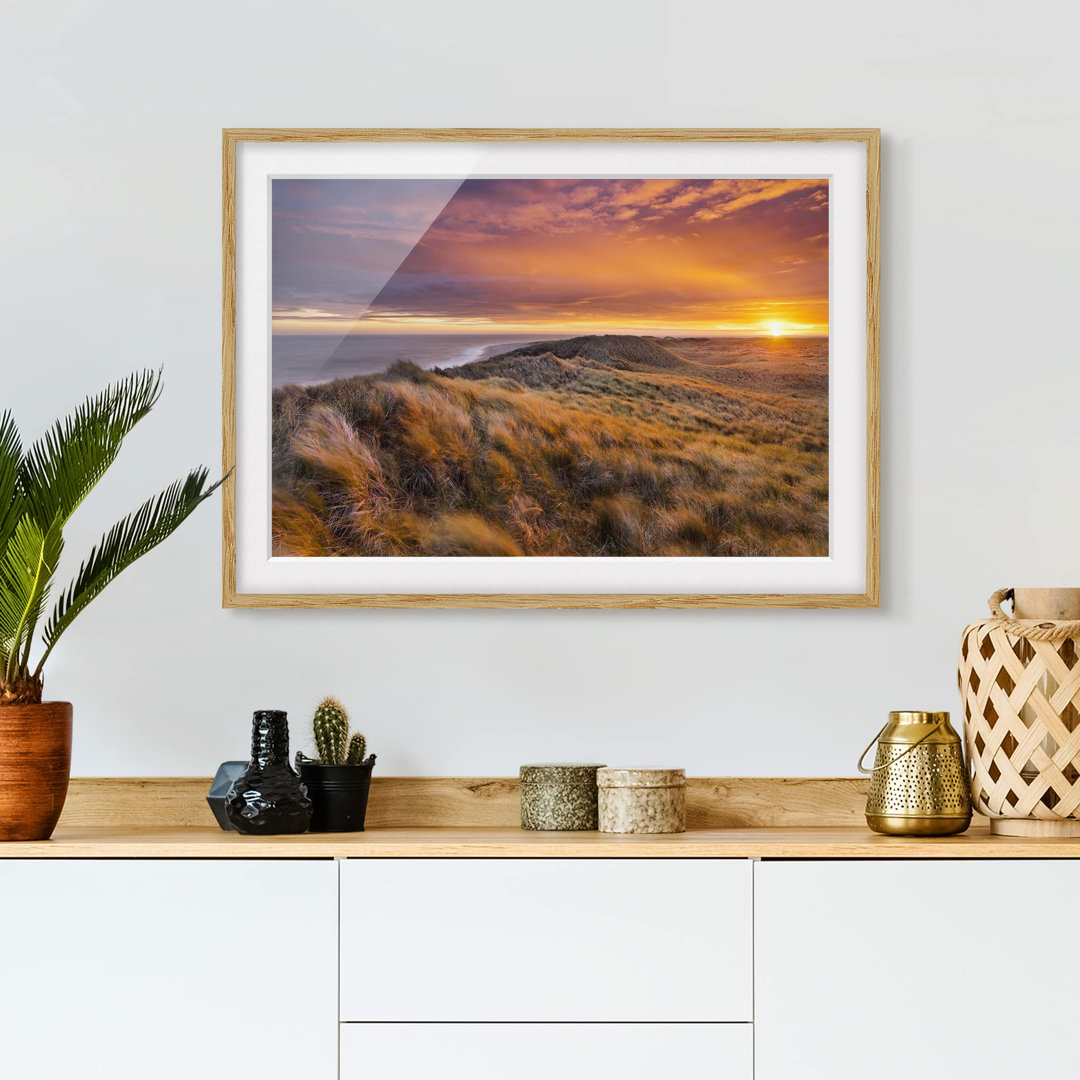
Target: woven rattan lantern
{"points": [[1020, 684]]}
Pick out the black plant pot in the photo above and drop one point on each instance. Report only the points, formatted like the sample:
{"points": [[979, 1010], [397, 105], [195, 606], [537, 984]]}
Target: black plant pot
{"points": [[339, 795]]}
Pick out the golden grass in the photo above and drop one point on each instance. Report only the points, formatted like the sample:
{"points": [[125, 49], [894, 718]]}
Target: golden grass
{"points": [[599, 446]]}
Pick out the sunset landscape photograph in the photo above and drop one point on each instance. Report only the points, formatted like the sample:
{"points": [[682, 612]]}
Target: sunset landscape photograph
{"points": [[599, 366]]}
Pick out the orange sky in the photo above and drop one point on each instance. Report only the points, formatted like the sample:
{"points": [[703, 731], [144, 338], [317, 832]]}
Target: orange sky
{"points": [[551, 256]]}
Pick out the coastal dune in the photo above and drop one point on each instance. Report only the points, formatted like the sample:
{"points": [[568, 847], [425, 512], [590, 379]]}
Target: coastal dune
{"points": [[608, 445]]}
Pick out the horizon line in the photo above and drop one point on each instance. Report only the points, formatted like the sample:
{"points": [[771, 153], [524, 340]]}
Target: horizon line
{"points": [[555, 333]]}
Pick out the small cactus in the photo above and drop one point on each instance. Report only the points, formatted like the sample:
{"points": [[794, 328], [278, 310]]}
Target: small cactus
{"points": [[357, 747], [330, 725]]}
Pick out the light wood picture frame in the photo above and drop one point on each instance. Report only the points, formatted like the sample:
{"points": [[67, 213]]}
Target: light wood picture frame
{"points": [[838, 565]]}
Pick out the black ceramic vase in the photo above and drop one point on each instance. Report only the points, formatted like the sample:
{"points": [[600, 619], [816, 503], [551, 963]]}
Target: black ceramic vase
{"points": [[269, 799], [339, 794]]}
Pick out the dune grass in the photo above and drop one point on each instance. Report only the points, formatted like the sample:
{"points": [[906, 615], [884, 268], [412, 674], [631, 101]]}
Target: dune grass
{"points": [[592, 446]]}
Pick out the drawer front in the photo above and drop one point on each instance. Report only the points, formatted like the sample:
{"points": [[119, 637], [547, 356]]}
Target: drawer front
{"points": [[543, 1051], [546, 940]]}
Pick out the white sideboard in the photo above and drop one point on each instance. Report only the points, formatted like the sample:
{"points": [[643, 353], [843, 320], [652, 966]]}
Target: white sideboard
{"points": [[411, 968], [171, 969], [901, 969]]}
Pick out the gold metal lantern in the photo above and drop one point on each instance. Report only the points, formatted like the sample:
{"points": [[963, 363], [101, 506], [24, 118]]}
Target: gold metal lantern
{"points": [[918, 785]]}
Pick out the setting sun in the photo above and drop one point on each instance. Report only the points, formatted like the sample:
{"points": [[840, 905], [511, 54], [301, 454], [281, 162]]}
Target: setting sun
{"points": [[776, 330]]}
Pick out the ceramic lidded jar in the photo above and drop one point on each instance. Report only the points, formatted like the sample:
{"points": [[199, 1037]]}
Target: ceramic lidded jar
{"points": [[642, 800], [559, 797]]}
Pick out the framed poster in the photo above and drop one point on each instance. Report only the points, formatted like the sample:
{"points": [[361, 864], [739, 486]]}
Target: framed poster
{"points": [[557, 368]]}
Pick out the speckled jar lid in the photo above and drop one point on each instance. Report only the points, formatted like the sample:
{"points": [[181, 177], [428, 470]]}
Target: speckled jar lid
{"points": [[559, 772], [641, 778]]}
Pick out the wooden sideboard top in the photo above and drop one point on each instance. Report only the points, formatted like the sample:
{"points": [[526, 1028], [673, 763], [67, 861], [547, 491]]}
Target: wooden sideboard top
{"points": [[477, 817], [805, 842]]}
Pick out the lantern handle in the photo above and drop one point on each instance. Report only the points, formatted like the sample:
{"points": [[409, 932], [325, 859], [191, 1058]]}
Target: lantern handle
{"points": [[1052, 630], [876, 768]]}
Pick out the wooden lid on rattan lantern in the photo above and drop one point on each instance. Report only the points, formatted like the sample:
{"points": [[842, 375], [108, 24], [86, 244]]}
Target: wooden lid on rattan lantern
{"points": [[1046, 604]]}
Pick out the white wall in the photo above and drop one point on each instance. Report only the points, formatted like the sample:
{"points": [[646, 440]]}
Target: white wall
{"points": [[110, 260]]}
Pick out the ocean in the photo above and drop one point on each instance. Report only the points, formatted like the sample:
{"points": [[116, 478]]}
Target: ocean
{"points": [[315, 358]]}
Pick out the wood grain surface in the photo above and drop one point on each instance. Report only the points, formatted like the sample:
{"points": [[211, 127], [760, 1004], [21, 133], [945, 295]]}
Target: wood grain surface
{"points": [[461, 817], [471, 802], [850, 842]]}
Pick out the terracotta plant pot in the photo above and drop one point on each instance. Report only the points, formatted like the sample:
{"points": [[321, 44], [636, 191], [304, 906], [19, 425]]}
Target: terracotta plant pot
{"points": [[35, 764]]}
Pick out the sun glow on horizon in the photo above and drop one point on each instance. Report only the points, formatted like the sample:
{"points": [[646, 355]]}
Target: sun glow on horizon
{"points": [[315, 322], [554, 257]]}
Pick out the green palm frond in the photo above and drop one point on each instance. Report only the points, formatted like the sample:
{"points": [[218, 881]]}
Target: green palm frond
{"points": [[40, 489], [62, 467], [129, 539], [10, 460], [27, 565]]}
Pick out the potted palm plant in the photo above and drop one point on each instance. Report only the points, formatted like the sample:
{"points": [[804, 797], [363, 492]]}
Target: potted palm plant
{"points": [[40, 488]]}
